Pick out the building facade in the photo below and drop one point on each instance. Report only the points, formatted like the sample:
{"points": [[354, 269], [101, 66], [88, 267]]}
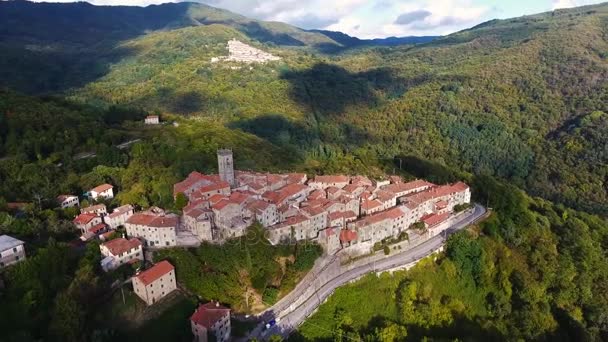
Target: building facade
{"points": [[12, 251], [102, 191], [120, 251], [226, 166], [68, 201], [155, 230], [211, 319], [155, 283]]}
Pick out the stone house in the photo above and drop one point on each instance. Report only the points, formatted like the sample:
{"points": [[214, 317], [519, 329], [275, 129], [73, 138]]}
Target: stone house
{"points": [[156, 230], [102, 191], [329, 239], [264, 212], [324, 182], [155, 283], [152, 120], [296, 227], [211, 319], [120, 251], [97, 209], [86, 221], [119, 216]]}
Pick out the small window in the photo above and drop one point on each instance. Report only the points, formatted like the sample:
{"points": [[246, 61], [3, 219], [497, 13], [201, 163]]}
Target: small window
{"points": [[15, 249]]}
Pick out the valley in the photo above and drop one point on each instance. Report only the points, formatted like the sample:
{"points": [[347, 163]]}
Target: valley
{"points": [[515, 108]]}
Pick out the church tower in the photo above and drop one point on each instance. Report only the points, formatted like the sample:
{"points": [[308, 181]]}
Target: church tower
{"points": [[226, 166]]}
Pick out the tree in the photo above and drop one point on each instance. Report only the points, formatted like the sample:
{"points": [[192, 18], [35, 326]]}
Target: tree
{"points": [[180, 201], [387, 250]]}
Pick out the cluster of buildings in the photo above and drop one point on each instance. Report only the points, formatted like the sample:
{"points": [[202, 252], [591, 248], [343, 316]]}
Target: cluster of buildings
{"points": [[241, 52], [338, 211]]}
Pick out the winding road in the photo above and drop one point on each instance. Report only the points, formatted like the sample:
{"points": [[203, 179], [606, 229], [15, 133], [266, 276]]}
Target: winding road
{"points": [[329, 274]]}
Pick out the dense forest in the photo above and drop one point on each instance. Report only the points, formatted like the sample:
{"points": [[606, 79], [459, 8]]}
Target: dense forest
{"points": [[518, 107]]}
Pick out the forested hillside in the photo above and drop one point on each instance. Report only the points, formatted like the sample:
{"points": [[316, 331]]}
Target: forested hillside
{"points": [[522, 99]]}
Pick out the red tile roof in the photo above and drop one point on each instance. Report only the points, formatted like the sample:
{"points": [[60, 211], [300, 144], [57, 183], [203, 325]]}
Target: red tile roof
{"points": [[193, 178], [93, 208], [390, 214], [279, 196], [96, 229], [313, 211], [206, 315], [437, 192], [84, 218], [408, 187], [332, 179], [435, 219], [120, 245], [347, 235], [153, 273], [258, 205], [369, 205], [150, 220], [102, 188]]}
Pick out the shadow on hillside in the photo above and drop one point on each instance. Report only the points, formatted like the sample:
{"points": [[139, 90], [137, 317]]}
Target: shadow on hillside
{"points": [[50, 48], [300, 136], [329, 89]]}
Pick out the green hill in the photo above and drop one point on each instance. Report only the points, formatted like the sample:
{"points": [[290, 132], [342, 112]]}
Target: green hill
{"points": [[507, 98]]}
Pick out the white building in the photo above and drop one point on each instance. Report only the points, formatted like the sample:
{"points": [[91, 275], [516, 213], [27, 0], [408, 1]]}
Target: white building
{"points": [[97, 209], [119, 216], [120, 251], [11, 251], [155, 283], [68, 201], [156, 230], [152, 120], [102, 191]]}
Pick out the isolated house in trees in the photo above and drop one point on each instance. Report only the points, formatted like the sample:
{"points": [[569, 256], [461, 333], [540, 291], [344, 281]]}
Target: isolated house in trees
{"points": [[152, 120], [68, 201], [155, 283], [211, 319], [102, 191], [11, 251]]}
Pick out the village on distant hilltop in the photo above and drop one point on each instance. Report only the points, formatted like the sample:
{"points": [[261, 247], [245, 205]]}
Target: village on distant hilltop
{"points": [[241, 52]]}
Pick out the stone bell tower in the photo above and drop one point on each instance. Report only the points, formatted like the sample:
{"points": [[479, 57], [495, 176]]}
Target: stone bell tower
{"points": [[226, 166]]}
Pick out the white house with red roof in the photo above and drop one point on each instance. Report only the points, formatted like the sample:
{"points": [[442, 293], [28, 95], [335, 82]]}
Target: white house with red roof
{"points": [[155, 283], [86, 221], [120, 251], [102, 191], [97, 209], [211, 319], [68, 201], [119, 216], [152, 120]]}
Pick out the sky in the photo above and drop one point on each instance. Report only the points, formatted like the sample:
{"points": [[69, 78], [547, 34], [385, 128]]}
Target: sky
{"points": [[377, 18]]}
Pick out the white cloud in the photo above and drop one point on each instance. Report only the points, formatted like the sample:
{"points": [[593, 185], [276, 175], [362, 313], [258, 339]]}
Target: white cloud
{"points": [[370, 18], [572, 3]]}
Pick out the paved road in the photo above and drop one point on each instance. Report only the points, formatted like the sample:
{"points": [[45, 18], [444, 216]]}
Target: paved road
{"points": [[306, 298]]}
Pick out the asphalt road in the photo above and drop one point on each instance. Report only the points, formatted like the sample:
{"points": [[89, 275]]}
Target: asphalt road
{"points": [[334, 275]]}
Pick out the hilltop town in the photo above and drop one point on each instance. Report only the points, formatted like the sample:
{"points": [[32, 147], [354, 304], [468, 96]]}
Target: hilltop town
{"points": [[241, 52], [343, 214]]}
